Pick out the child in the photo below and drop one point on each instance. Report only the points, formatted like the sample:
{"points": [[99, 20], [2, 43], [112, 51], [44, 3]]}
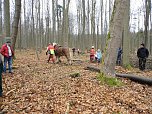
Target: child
{"points": [[99, 56]]}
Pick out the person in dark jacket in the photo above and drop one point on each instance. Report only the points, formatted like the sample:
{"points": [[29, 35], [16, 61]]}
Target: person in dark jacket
{"points": [[142, 54], [1, 70], [118, 62]]}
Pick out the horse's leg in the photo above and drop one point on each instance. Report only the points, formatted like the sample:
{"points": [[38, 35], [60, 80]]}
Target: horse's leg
{"points": [[59, 59], [68, 59]]}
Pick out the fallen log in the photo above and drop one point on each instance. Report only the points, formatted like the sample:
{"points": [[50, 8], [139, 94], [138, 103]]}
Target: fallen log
{"points": [[139, 79], [135, 78], [79, 60], [92, 68]]}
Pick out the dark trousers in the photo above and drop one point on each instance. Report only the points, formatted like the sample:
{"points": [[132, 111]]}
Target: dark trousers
{"points": [[142, 62], [51, 57], [9, 61], [1, 91], [1, 70]]}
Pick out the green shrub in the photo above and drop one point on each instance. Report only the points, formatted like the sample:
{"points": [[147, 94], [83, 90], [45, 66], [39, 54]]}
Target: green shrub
{"points": [[111, 81], [128, 66]]}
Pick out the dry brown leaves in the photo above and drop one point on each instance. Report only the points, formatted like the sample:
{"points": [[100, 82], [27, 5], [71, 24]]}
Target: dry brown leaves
{"points": [[38, 87]]}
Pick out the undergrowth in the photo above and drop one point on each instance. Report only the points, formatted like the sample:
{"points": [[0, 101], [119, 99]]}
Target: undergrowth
{"points": [[128, 66], [111, 81]]}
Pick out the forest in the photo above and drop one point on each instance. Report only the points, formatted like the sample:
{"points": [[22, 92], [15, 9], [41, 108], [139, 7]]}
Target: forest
{"points": [[76, 84]]}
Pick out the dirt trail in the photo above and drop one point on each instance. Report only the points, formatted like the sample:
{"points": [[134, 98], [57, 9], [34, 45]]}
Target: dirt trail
{"points": [[37, 87]]}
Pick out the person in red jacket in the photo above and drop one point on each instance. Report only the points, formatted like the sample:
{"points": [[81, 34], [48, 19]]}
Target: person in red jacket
{"points": [[8, 54], [92, 54], [50, 51]]}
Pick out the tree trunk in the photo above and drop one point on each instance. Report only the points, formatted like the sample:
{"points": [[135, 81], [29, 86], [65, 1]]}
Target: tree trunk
{"points": [[7, 17], [146, 22], [33, 21], [16, 21], [102, 37], [83, 24], [114, 36], [126, 38], [53, 20], [0, 17], [93, 21], [65, 26], [88, 21]]}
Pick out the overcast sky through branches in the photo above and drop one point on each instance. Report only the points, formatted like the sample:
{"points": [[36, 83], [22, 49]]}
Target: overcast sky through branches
{"points": [[136, 14]]}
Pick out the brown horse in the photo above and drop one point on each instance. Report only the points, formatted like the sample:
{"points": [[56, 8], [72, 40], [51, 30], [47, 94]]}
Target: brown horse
{"points": [[62, 51]]}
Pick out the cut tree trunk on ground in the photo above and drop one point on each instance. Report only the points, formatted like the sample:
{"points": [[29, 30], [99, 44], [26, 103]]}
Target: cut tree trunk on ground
{"points": [[76, 60], [139, 79], [92, 68]]}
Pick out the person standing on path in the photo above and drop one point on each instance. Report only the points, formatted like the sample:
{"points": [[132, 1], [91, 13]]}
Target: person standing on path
{"points": [[119, 53], [8, 54], [142, 54]]}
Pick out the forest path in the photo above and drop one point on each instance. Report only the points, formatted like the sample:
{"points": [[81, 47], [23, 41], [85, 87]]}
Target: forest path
{"points": [[39, 87]]}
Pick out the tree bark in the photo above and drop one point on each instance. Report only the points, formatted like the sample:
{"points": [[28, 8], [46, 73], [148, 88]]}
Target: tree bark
{"points": [[16, 21], [0, 17], [126, 36], [83, 24], [53, 20], [7, 17], [114, 36], [146, 22], [65, 26]]}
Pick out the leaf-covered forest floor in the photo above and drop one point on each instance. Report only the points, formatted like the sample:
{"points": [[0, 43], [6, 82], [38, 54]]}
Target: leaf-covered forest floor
{"points": [[38, 87]]}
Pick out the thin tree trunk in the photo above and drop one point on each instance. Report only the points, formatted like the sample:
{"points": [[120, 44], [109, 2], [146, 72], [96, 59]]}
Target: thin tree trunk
{"points": [[0, 17], [84, 25], [126, 38], [65, 26], [93, 22], [88, 32], [7, 17], [102, 37], [53, 20], [146, 22], [33, 22], [16, 21]]}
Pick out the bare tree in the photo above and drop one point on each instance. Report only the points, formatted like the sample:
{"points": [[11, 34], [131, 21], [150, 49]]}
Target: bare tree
{"points": [[7, 17], [101, 21], [65, 23], [32, 18], [0, 17], [126, 35], [53, 20], [93, 21], [114, 36], [16, 21], [83, 24], [146, 21]]}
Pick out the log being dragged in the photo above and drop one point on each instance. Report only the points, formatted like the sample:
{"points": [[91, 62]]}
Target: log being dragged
{"points": [[139, 79], [92, 68]]}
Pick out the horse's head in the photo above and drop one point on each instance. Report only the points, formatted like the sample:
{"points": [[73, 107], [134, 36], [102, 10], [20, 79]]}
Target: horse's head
{"points": [[55, 46]]}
